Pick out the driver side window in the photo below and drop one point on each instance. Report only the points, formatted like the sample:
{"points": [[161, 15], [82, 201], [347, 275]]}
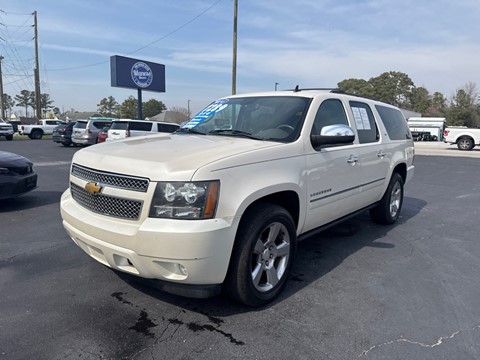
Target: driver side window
{"points": [[330, 112]]}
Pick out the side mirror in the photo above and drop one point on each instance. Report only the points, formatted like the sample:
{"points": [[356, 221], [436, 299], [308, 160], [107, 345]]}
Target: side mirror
{"points": [[332, 135]]}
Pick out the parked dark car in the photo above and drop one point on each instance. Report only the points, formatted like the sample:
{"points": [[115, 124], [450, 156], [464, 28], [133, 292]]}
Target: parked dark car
{"points": [[63, 134], [103, 134], [17, 176]]}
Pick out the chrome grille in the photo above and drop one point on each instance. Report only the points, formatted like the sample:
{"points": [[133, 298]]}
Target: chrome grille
{"points": [[107, 205], [115, 180]]}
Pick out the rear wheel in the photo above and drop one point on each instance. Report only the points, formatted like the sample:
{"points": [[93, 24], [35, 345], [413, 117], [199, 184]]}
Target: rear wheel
{"points": [[36, 134], [465, 143], [388, 209], [262, 256]]}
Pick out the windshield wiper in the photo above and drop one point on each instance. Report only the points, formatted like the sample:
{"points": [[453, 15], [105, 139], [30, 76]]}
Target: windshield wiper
{"points": [[234, 132], [189, 131]]}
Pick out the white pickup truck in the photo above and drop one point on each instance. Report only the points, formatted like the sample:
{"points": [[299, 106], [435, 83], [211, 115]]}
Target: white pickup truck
{"points": [[465, 138], [222, 201], [43, 127]]}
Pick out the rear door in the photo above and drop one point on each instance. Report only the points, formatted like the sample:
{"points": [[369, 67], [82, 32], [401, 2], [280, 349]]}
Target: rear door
{"points": [[374, 155]]}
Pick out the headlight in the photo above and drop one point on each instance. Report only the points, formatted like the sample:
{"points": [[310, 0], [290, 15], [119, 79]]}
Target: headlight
{"points": [[185, 200]]}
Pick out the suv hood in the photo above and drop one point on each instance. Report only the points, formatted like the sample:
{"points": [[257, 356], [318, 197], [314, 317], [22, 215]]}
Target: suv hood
{"points": [[153, 156]]}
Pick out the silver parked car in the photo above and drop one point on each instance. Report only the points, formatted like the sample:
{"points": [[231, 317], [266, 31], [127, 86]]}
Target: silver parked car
{"points": [[85, 132]]}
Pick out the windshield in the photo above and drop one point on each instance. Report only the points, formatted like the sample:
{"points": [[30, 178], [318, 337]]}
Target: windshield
{"points": [[273, 118]]}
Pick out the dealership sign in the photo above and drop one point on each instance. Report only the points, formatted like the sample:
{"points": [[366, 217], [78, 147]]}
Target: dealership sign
{"points": [[137, 74]]}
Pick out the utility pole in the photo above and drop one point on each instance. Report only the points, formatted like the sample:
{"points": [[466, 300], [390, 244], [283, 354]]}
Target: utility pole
{"points": [[38, 102], [234, 64], [2, 103]]}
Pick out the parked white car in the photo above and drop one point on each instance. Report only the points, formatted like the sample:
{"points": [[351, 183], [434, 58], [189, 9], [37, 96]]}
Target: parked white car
{"points": [[42, 127], [465, 138], [124, 128], [223, 201], [6, 129]]}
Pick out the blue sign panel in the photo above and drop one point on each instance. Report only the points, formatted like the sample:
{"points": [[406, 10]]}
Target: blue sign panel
{"points": [[137, 74]]}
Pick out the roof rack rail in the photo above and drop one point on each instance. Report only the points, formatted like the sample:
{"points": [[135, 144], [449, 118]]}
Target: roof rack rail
{"points": [[298, 89]]}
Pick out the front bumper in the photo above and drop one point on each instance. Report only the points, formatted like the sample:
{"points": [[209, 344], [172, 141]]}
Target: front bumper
{"points": [[84, 141], [13, 186], [193, 253]]}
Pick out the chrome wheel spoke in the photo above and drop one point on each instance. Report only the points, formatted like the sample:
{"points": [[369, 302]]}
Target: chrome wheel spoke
{"points": [[283, 249], [259, 247], [257, 274], [272, 277], [273, 231]]}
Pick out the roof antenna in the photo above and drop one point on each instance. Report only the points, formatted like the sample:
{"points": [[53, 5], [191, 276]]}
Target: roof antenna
{"points": [[296, 89]]}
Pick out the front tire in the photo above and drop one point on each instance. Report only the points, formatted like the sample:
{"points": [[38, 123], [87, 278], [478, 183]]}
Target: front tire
{"points": [[388, 209], [262, 256]]}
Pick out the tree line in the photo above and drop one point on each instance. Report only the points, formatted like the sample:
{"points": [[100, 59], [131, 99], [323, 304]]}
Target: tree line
{"points": [[398, 89], [26, 99], [108, 107]]}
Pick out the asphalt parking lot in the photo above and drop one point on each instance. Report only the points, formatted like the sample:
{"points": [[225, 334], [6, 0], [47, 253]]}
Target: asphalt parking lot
{"points": [[358, 291]]}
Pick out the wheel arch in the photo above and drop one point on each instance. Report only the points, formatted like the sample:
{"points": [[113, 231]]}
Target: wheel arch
{"points": [[465, 136], [401, 169], [288, 199]]}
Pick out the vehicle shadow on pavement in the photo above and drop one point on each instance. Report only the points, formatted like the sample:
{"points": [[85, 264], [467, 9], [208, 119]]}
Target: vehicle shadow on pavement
{"points": [[32, 200], [316, 257]]}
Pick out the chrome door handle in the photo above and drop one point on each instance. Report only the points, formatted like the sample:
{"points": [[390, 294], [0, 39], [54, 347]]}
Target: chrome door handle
{"points": [[381, 154], [352, 159]]}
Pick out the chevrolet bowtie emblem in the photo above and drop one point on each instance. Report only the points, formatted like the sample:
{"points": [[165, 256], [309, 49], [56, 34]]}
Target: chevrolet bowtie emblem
{"points": [[93, 188]]}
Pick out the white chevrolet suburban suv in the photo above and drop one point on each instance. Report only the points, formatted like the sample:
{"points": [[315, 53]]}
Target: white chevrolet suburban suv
{"points": [[223, 201]]}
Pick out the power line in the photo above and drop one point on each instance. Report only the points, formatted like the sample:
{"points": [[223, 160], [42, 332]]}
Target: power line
{"points": [[16, 65], [147, 45]]}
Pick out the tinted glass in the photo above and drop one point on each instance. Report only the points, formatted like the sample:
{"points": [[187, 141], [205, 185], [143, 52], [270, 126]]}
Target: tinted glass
{"points": [[330, 112], [365, 122], [119, 125], [167, 128], [98, 124], [80, 125], [140, 126], [395, 123], [275, 118]]}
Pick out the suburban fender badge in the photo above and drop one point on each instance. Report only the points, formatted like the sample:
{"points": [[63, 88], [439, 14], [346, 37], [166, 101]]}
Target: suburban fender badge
{"points": [[93, 188]]}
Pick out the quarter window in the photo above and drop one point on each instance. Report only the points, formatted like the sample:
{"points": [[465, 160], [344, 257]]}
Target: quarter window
{"points": [[395, 123]]}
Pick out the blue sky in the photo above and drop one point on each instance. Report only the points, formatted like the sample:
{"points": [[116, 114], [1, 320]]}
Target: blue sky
{"points": [[313, 43]]}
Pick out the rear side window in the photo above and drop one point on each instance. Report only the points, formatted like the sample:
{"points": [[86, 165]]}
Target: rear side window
{"points": [[119, 125], [167, 128], [395, 123], [99, 124], [140, 126], [365, 122]]}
